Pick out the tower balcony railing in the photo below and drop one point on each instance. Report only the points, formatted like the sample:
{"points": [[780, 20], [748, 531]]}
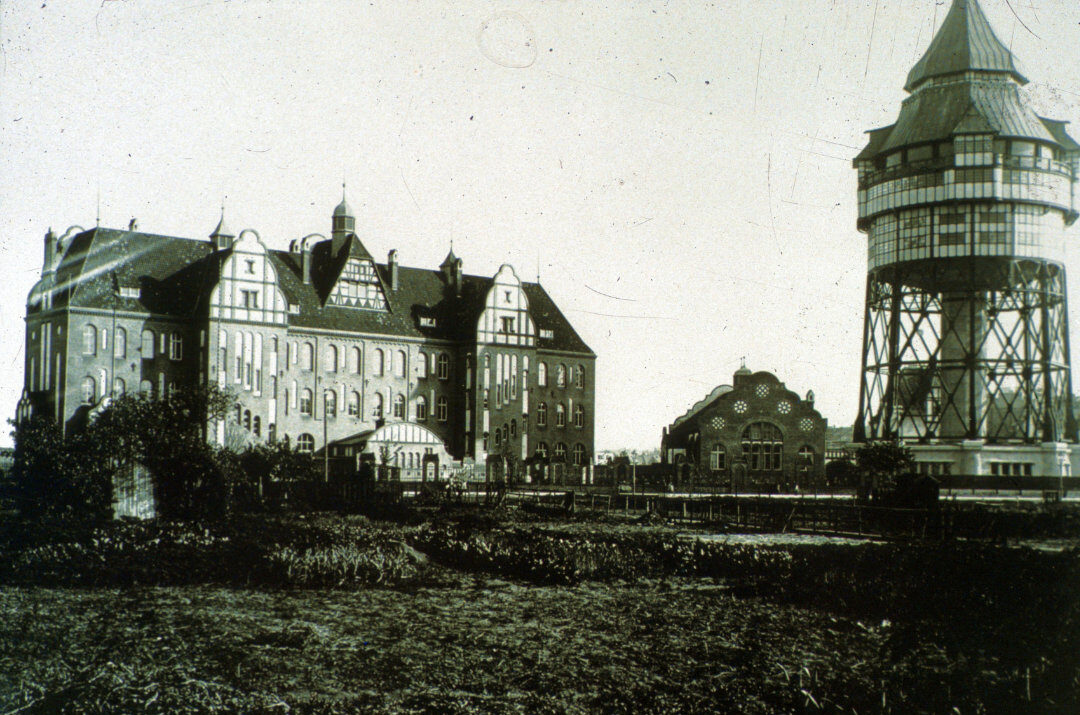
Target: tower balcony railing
{"points": [[870, 178]]}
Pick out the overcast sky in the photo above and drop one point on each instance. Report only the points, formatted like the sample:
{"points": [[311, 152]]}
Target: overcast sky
{"points": [[678, 173]]}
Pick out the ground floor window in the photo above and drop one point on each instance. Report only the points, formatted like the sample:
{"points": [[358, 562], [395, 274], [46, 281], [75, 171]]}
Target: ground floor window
{"points": [[763, 447]]}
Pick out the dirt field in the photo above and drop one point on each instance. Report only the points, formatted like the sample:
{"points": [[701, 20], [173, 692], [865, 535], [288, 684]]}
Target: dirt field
{"points": [[478, 646]]}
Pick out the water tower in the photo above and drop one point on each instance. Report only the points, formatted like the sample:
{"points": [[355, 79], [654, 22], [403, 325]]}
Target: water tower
{"points": [[965, 201]]}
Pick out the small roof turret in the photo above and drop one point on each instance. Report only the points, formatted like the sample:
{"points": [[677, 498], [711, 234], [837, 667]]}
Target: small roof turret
{"points": [[964, 42], [450, 259], [343, 209], [222, 230]]}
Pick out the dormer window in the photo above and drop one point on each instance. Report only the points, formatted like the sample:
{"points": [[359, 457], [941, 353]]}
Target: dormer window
{"points": [[547, 334], [129, 292], [427, 322]]}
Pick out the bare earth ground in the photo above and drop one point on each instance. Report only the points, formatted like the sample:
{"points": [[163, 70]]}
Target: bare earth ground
{"points": [[678, 646]]}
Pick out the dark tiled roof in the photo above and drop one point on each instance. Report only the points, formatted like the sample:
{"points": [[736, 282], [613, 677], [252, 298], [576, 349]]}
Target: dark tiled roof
{"points": [[172, 274], [1057, 129], [964, 42], [176, 275], [936, 113], [877, 140]]}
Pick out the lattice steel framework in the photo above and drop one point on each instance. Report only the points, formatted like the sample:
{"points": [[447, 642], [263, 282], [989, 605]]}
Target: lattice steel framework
{"points": [[966, 348]]}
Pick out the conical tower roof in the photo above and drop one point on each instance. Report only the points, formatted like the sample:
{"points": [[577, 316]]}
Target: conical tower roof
{"points": [[964, 42], [221, 229]]}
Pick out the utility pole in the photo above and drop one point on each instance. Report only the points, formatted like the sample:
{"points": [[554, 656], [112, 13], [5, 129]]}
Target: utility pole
{"points": [[326, 445]]}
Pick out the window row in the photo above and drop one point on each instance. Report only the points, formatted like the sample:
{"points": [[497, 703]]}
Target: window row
{"points": [[560, 415], [579, 456], [90, 388], [563, 375], [305, 402], [383, 362], [249, 423], [94, 340]]}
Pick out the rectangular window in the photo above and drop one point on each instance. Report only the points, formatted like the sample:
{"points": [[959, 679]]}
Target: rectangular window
{"points": [[176, 346], [249, 298], [506, 325]]}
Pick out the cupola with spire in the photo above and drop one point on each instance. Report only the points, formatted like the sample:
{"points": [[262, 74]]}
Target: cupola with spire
{"points": [[343, 224], [222, 237], [451, 268]]}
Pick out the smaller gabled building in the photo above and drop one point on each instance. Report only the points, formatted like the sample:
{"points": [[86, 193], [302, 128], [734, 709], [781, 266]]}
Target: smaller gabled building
{"points": [[752, 434]]}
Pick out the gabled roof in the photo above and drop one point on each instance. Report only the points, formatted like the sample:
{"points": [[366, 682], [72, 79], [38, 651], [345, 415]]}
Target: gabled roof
{"points": [[964, 42], [175, 276]]}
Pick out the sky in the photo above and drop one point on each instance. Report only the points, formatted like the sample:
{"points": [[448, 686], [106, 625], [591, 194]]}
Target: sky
{"points": [[678, 175]]}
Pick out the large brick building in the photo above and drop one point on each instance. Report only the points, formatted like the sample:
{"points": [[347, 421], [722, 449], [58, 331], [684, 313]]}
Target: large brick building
{"points": [[317, 340], [752, 434]]}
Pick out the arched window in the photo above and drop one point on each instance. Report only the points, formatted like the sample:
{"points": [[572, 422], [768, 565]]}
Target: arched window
{"points": [[273, 344], [305, 402], [763, 447], [579, 377], [541, 414], [513, 428], [718, 458], [498, 436], [307, 357], [560, 376], [579, 455], [120, 343], [354, 361], [440, 409], [247, 420], [146, 388], [421, 409], [89, 390], [378, 363], [331, 358], [421, 365], [399, 364], [271, 433], [399, 406], [560, 415], [560, 452], [487, 394], [506, 433], [148, 344], [239, 414], [541, 374], [579, 416], [89, 342], [119, 387], [256, 426], [377, 406], [443, 366], [330, 405], [354, 404], [541, 450], [305, 443]]}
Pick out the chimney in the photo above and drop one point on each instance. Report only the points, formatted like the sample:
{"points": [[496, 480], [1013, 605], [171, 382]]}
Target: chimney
{"points": [[133, 224], [305, 262], [50, 248], [391, 263]]}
